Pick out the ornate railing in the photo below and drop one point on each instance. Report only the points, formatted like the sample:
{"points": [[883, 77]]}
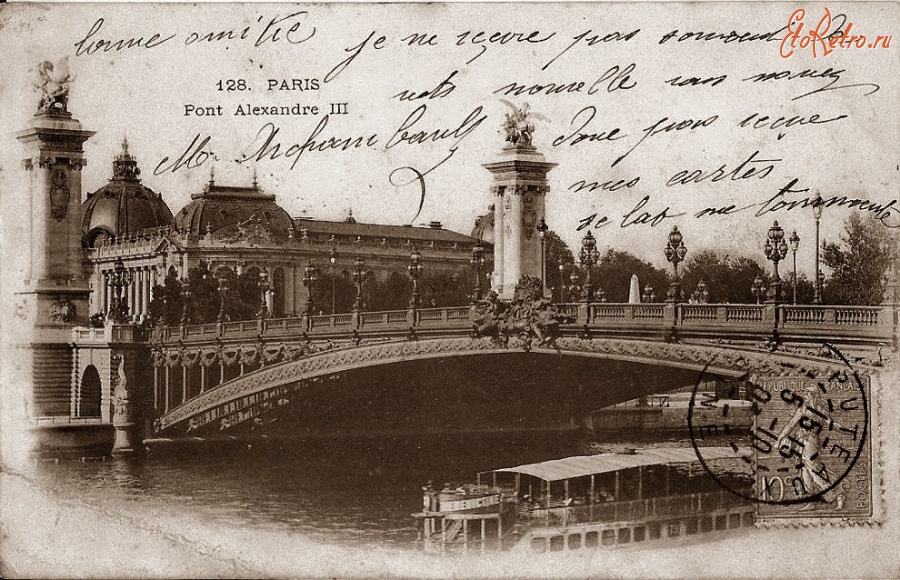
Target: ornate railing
{"points": [[871, 323]]}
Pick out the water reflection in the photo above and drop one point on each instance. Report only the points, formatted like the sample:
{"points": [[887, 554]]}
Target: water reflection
{"points": [[353, 491]]}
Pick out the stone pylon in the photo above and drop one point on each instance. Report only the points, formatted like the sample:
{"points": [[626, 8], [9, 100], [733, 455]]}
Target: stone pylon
{"points": [[53, 297], [519, 186]]}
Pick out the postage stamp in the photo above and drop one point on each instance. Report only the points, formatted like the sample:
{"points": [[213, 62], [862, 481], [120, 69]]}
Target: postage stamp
{"points": [[810, 438]]}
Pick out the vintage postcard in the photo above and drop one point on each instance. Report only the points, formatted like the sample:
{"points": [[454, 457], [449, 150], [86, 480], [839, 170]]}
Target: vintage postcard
{"points": [[429, 290]]}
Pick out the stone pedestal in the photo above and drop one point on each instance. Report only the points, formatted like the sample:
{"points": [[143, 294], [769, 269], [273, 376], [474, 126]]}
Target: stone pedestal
{"points": [[53, 297], [130, 383], [519, 184]]}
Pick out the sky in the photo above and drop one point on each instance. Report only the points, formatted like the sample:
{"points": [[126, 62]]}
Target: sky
{"points": [[144, 92]]}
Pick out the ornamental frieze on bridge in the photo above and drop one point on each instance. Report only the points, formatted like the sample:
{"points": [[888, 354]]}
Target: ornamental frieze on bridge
{"points": [[222, 372]]}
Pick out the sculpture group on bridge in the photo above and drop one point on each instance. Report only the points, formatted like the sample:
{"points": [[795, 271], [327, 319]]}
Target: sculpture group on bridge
{"points": [[528, 315]]}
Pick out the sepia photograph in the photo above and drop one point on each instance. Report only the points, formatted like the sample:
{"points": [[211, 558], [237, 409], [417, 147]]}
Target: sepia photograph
{"points": [[450, 290]]}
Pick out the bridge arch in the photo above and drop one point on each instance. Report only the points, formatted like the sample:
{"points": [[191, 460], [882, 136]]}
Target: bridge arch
{"points": [[235, 401], [90, 393]]}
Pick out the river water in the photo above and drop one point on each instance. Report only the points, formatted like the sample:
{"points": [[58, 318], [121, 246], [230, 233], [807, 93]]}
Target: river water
{"points": [[355, 492]]}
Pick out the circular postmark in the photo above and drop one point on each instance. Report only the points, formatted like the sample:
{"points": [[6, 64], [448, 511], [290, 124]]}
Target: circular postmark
{"points": [[807, 436]]}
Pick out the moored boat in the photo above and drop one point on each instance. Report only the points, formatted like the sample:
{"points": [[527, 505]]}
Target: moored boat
{"points": [[646, 497]]}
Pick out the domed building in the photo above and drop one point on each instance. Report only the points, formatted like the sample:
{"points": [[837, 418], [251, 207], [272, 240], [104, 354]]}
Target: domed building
{"points": [[122, 207], [484, 227], [235, 213], [242, 230]]}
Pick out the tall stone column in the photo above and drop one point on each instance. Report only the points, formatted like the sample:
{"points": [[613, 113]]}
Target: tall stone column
{"points": [[54, 297], [520, 181], [147, 287]]}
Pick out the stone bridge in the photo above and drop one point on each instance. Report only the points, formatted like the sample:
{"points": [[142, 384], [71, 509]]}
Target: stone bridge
{"points": [[209, 379]]}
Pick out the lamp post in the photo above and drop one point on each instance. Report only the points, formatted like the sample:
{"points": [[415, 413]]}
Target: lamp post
{"points": [[776, 250], [794, 241], [223, 290], [818, 206], [186, 298], [119, 279], [310, 275], [542, 234], [758, 289], [573, 288], [589, 256], [562, 286], [477, 263], [333, 259], [415, 270], [675, 252], [263, 290], [359, 275], [701, 294]]}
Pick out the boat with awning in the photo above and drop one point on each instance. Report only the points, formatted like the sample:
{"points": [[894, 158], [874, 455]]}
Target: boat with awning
{"points": [[589, 500]]}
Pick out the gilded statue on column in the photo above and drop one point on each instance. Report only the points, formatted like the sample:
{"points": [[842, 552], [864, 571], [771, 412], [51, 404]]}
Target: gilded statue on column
{"points": [[53, 82]]}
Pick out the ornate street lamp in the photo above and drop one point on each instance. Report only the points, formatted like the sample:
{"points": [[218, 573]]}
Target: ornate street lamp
{"points": [[700, 294], [477, 263], [758, 289], [573, 288], [359, 274], [562, 286], [818, 205], [794, 241], [310, 275], [589, 256], [415, 270], [333, 259], [186, 298], [223, 291], [120, 279], [776, 250], [263, 290], [542, 234], [675, 252]]}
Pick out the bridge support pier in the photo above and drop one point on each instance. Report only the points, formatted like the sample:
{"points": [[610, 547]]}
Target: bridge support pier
{"points": [[129, 369]]}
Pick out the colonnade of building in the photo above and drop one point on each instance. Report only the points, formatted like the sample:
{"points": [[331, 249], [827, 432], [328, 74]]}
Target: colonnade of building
{"points": [[137, 294]]}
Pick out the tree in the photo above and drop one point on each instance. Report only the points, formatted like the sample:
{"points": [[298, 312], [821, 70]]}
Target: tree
{"points": [[558, 253], [168, 301], [392, 294], [805, 289], [613, 275], [343, 289], [858, 263], [243, 297], [440, 288], [727, 279], [203, 304]]}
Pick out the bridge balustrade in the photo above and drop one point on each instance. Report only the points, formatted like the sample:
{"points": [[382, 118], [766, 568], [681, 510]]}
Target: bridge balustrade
{"points": [[388, 319], [330, 322], [750, 321], [455, 317], [745, 313], [753, 319]]}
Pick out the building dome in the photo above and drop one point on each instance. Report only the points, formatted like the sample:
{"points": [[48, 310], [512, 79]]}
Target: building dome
{"points": [[484, 227], [123, 206], [235, 213]]}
